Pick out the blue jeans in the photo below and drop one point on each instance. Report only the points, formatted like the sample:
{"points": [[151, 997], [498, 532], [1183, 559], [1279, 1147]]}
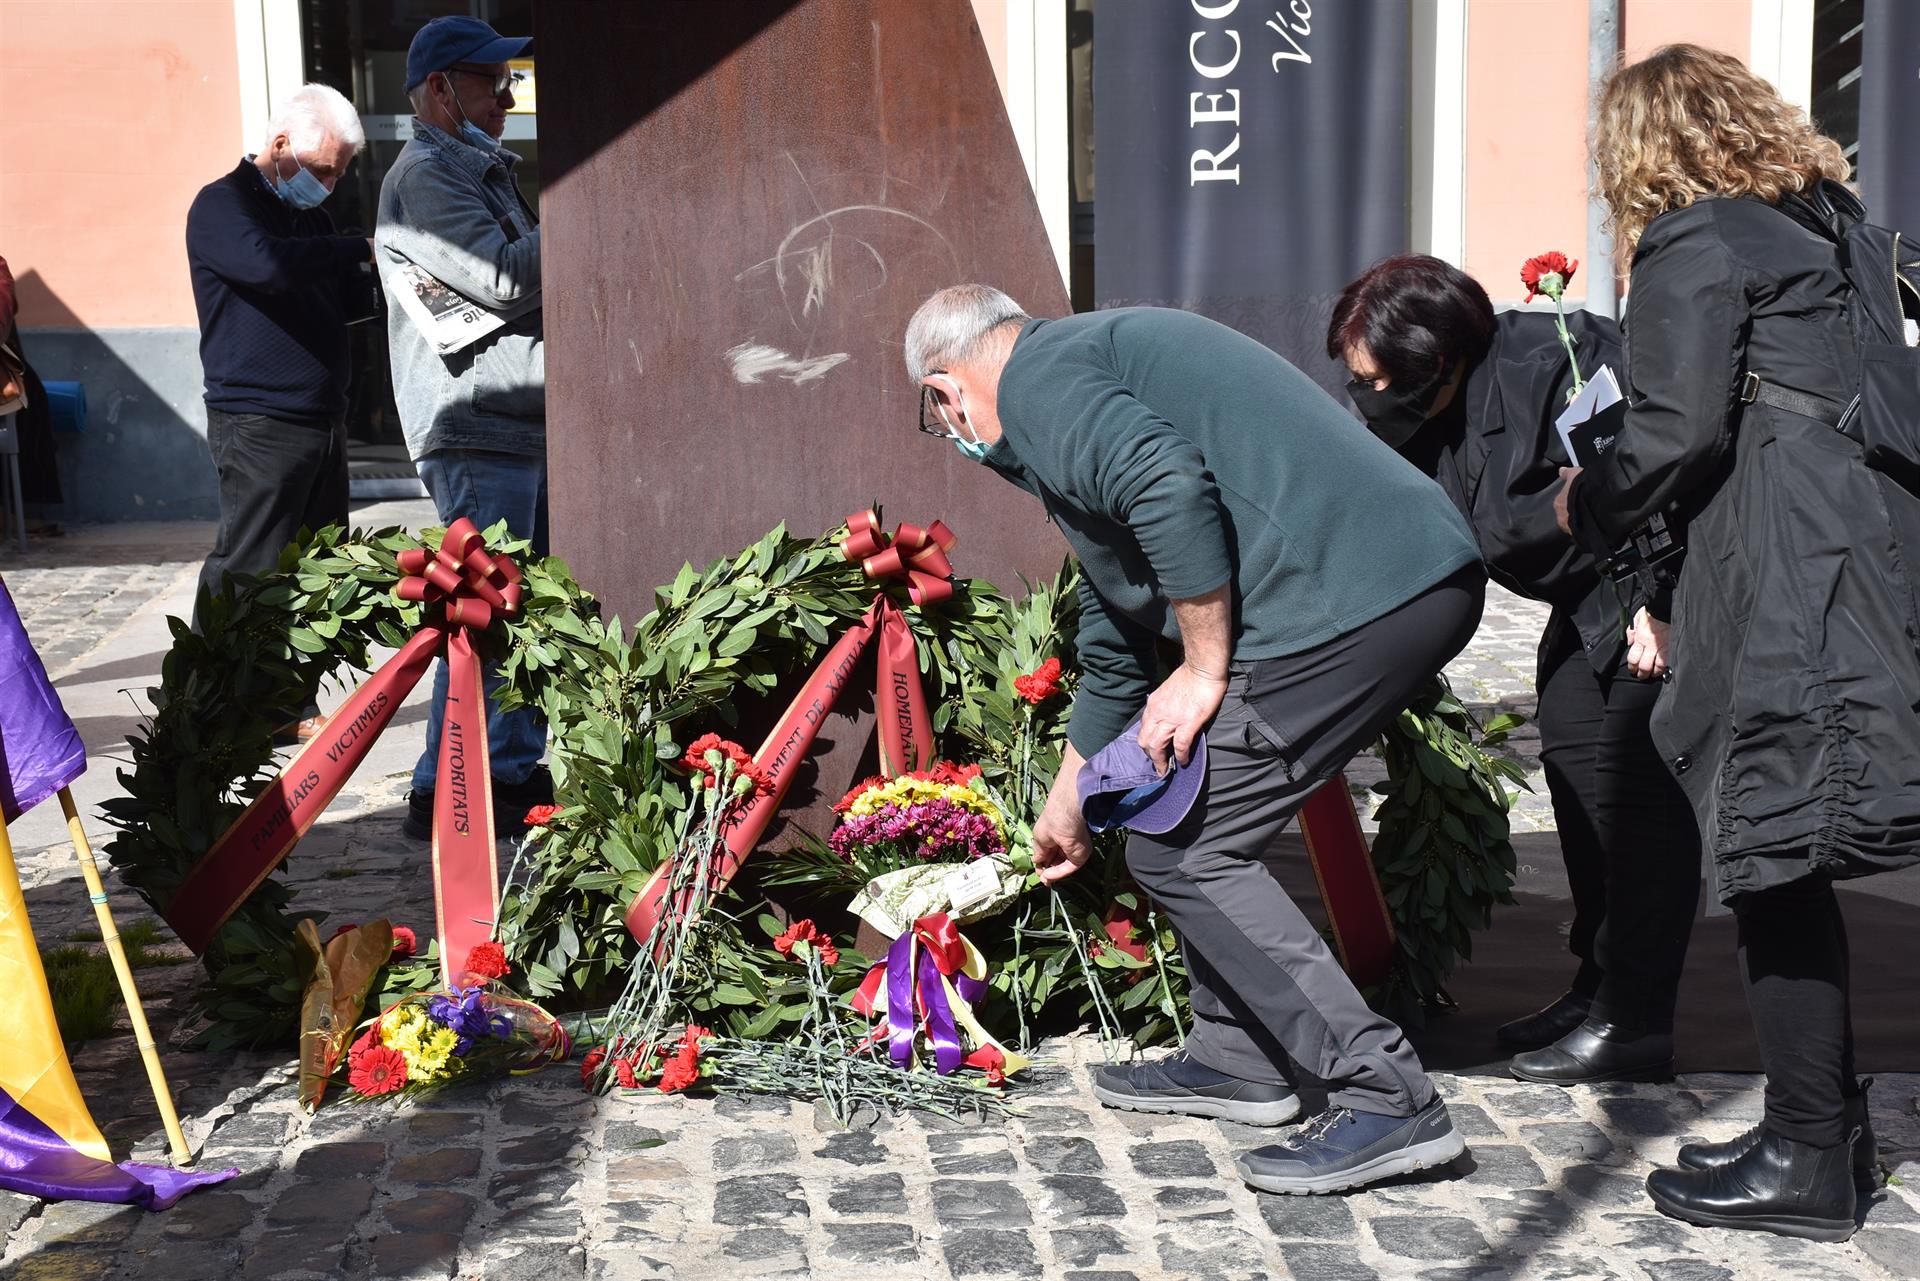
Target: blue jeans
{"points": [[485, 488]]}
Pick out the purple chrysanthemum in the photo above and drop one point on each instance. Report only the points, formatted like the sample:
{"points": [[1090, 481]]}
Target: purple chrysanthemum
{"points": [[935, 829]]}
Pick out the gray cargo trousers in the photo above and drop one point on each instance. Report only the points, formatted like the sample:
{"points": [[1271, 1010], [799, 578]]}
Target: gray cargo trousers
{"points": [[1267, 993]]}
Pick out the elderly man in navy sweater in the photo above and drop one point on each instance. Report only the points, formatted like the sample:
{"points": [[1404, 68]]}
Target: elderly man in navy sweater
{"points": [[276, 289]]}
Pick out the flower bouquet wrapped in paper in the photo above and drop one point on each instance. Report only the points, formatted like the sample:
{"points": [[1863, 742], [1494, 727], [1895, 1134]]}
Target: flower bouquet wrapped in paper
{"points": [[429, 1040]]}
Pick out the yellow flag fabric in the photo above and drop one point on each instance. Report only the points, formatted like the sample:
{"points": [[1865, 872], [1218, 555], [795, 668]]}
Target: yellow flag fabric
{"points": [[34, 1070]]}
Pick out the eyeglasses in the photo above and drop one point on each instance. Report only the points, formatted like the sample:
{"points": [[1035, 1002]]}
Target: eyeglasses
{"points": [[501, 83], [933, 416]]}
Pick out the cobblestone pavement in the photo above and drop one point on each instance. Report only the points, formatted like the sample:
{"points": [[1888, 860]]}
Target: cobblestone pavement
{"points": [[532, 1178]]}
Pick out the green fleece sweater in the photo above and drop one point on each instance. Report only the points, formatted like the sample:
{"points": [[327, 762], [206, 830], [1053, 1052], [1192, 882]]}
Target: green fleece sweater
{"points": [[1177, 456]]}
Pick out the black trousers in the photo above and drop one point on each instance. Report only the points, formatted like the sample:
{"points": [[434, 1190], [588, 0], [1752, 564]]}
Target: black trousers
{"points": [[1628, 836], [1795, 960], [275, 478]]}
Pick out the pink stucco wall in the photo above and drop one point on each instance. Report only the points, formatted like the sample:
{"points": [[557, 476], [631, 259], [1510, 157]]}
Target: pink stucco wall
{"points": [[1718, 24], [1526, 120], [116, 112], [1526, 168], [991, 17]]}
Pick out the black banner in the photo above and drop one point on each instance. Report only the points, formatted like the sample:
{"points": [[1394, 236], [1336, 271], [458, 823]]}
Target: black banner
{"points": [[1250, 159], [1889, 162]]}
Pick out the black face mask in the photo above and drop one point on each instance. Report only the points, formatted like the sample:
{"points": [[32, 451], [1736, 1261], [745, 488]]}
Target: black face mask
{"points": [[1397, 412]]}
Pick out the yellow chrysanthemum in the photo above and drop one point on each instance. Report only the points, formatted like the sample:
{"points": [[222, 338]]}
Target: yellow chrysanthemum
{"points": [[430, 1060], [400, 1030], [904, 792]]}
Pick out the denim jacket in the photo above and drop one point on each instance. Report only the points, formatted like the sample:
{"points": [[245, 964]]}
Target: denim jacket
{"points": [[456, 211]]}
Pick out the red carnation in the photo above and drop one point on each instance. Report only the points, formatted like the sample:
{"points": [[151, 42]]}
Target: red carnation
{"points": [[488, 960], [683, 1069], [405, 943], [377, 1070], [540, 815], [695, 762], [807, 932], [590, 1065], [627, 1071], [1040, 684], [342, 930], [948, 772], [1538, 273], [989, 1060]]}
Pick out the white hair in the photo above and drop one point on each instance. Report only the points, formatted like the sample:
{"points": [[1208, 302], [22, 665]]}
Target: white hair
{"points": [[952, 327], [312, 115]]}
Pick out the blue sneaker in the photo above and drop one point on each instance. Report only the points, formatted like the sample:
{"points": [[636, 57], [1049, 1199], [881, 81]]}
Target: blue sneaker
{"points": [[1178, 1084], [1342, 1148]]}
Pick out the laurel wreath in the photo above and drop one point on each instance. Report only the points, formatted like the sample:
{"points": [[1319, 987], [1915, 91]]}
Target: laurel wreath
{"points": [[620, 708]]}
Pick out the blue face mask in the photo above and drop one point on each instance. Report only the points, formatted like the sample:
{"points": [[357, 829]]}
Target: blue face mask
{"points": [[972, 450], [474, 134], [303, 190], [471, 133]]}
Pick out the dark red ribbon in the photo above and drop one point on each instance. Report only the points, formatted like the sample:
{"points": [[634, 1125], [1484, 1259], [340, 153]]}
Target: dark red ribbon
{"points": [[913, 554], [464, 589], [1363, 930]]}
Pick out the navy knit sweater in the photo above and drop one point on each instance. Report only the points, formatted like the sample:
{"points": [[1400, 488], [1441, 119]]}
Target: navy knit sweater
{"points": [[275, 288]]}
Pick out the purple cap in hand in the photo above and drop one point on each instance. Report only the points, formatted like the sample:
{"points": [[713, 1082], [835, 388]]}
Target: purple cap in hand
{"points": [[1119, 787]]}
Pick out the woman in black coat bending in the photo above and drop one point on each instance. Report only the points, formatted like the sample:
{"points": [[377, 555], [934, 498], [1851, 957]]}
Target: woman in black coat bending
{"points": [[1470, 399], [1789, 711]]}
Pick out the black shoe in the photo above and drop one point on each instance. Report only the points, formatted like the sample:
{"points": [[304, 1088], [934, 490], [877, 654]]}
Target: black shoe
{"points": [[1547, 1026], [1595, 1052], [1866, 1153], [418, 824], [511, 801], [1794, 1189], [1181, 1085], [1342, 1148]]}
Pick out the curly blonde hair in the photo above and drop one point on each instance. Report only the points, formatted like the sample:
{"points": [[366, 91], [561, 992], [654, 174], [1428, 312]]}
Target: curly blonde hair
{"points": [[1689, 122]]}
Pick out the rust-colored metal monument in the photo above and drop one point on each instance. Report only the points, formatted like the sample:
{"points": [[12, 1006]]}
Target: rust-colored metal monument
{"points": [[743, 203]]}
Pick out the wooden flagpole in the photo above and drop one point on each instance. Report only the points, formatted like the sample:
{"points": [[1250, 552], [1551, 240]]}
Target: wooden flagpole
{"points": [[110, 935]]}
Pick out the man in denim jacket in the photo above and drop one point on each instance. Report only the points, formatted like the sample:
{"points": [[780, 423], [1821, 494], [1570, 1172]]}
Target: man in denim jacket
{"points": [[474, 417]]}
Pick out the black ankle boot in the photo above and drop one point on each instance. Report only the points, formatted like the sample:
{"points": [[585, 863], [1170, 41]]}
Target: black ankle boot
{"points": [[1857, 1122], [1777, 1185], [1544, 1027], [1595, 1052]]}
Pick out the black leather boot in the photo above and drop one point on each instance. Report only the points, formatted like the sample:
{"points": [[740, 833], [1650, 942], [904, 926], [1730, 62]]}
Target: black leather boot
{"points": [[1544, 1027], [1597, 1051], [1866, 1154], [1777, 1185]]}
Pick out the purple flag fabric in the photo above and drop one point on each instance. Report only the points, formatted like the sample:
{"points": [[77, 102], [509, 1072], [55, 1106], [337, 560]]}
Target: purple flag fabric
{"points": [[40, 750], [38, 1162]]}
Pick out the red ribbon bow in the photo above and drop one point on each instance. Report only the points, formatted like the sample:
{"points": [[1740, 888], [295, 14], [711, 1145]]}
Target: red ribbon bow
{"points": [[471, 588], [915, 554], [471, 582], [900, 704]]}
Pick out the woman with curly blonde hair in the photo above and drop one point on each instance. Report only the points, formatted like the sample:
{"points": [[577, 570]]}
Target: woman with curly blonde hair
{"points": [[1786, 715]]}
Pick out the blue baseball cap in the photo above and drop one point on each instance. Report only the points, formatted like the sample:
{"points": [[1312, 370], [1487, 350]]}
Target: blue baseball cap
{"points": [[1120, 788], [446, 41]]}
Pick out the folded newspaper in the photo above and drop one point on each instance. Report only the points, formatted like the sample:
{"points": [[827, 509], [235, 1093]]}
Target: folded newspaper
{"points": [[449, 319]]}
